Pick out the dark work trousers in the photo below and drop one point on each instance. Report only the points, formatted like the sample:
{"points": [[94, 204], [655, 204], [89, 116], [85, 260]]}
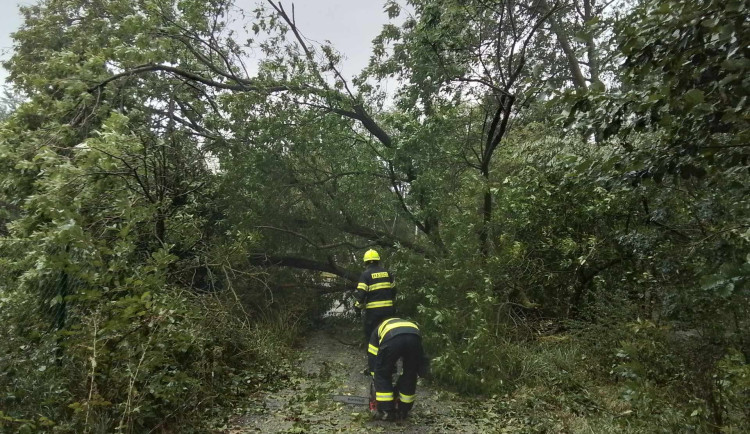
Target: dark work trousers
{"points": [[373, 318], [408, 347]]}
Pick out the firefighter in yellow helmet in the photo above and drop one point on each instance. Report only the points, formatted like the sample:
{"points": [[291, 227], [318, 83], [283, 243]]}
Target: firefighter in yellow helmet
{"points": [[375, 293]]}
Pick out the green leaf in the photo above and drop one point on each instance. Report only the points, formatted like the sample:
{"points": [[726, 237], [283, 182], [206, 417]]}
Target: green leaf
{"points": [[693, 97], [597, 86], [593, 21]]}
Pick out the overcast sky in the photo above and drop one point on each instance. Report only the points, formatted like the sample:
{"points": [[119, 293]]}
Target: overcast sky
{"points": [[10, 19], [349, 24]]}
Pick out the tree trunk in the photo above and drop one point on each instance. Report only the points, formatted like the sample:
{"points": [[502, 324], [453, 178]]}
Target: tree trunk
{"points": [[161, 227], [575, 68], [484, 233], [591, 50]]}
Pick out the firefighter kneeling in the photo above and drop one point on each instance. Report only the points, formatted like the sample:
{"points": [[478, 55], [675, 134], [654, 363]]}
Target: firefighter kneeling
{"points": [[394, 339]]}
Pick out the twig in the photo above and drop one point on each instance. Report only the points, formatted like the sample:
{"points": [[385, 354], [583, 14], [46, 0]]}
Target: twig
{"points": [[92, 359], [246, 322], [131, 382]]}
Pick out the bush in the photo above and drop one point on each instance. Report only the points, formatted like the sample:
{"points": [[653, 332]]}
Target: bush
{"points": [[155, 357]]}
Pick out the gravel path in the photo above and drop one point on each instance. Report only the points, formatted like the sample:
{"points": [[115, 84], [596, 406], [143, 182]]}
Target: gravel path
{"points": [[327, 363]]}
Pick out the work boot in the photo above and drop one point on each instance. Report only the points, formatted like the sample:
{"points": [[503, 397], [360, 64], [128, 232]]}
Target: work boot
{"points": [[386, 415]]}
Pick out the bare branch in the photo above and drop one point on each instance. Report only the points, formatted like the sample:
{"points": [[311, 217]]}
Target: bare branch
{"points": [[241, 85], [312, 243], [264, 260]]}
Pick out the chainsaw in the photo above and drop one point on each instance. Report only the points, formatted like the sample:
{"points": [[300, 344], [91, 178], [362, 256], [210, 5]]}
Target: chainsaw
{"points": [[359, 400], [352, 400]]}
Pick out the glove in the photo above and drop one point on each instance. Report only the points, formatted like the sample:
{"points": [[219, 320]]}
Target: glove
{"points": [[358, 312], [424, 367]]}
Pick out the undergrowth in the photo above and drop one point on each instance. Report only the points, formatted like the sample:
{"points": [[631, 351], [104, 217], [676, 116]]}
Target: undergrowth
{"points": [[598, 379], [179, 364]]}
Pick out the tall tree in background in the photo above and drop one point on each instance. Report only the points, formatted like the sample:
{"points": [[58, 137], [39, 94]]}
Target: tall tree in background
{"points": [[477, 56]]}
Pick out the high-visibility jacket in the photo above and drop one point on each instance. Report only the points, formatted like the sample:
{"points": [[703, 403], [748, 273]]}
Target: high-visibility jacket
{"points": [[376, 289], [395, 339], [385, 331]]}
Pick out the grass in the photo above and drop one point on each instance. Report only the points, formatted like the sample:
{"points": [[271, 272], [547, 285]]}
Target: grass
{"points": [[563, 384]]}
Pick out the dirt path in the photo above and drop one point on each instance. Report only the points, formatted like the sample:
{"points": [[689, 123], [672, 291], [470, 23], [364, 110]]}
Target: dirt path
{"points": [[327, 365]]}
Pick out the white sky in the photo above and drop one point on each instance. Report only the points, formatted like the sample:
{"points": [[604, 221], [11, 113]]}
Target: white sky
{"points": [[349, 24], [10, 20]]}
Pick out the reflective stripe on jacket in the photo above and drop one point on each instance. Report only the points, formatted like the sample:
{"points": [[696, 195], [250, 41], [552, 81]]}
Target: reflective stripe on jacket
{"points": [[375, 288], [385, 331]]}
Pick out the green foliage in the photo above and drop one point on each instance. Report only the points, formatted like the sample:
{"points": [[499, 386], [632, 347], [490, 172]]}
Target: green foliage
{"points": [[143, 181], [137, 362], [683, 80], [106, 249]]}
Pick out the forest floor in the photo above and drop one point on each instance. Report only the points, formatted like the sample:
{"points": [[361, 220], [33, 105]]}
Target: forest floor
{"points": [[329, 361]]}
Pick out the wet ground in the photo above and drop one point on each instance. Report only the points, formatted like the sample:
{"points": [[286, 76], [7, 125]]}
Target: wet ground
{"points": [[329, 361]]}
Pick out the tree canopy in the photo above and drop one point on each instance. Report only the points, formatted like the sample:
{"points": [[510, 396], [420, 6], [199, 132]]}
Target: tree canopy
{"points": [[529, 169]]}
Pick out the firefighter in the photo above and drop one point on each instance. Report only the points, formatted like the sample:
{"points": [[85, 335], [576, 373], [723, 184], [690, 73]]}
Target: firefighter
{"points": [[394, 339], [375, 293]]}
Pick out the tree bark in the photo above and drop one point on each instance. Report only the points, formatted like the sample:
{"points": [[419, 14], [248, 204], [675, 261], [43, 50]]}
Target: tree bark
{"points": [[263, 260], [591, 51], [575, 68]]}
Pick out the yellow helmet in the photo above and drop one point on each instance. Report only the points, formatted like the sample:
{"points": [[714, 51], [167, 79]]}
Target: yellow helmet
{"points": [[371, 255]]}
